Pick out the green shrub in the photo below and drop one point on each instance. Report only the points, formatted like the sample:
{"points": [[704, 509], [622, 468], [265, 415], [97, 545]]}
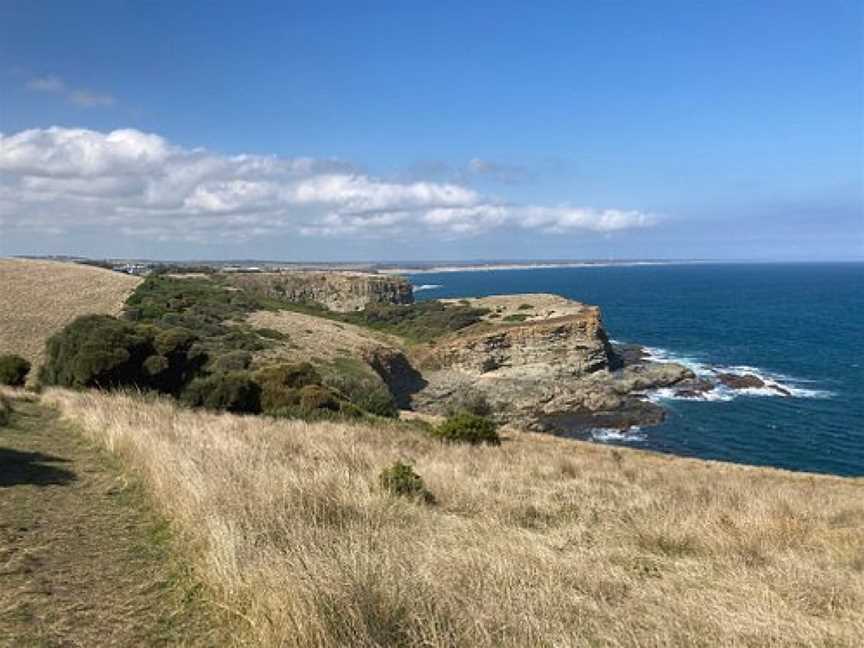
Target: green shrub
{"points": [[515, 317], [281, 384], [318, 397], [232, 392], [97, 351], [401, 480], [526, 307], [5, 410], [13, 370], [231, 361], [468, 428], [420, 322], [355, 381], [272, 334], [104, 352]]}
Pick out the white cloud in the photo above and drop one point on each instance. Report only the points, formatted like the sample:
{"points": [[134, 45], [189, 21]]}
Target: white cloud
{"points": [[139, 184], [77, 96]]}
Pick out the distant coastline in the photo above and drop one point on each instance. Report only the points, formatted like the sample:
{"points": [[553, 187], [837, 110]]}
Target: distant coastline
{"points": [[488, 267]]}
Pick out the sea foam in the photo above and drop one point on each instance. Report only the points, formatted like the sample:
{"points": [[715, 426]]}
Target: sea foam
{"points": [[773, 381]]}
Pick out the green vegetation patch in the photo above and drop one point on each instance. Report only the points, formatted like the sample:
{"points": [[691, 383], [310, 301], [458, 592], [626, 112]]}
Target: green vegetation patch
{"points": [[419, 322], [400, 480], [13, 370], [515, 317], [104, 352], [468, 428]]}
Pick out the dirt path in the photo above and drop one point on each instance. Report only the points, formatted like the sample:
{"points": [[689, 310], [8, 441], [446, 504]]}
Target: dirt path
{"points": [[83, 562]]}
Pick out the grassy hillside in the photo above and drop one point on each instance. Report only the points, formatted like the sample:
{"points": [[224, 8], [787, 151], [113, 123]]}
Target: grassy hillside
{"points": [[538, 542], [38, 298]]}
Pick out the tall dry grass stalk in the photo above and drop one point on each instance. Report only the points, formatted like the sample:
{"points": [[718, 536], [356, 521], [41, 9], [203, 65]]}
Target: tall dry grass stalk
{"points": [[541, 542]]}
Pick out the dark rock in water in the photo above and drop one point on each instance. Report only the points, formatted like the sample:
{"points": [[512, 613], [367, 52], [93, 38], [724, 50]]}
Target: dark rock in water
{"points": [[740, 381], [630, 354], [634, 413], [780, 390], [694, 388]]}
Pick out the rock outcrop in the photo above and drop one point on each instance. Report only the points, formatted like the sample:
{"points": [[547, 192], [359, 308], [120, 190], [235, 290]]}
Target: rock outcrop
{"points": [[570, 345], [338, 291], [554, 369]]}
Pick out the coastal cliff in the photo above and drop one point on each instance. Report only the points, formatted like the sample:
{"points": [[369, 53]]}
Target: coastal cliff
{"points": [[571, 345], [544, 362], [337, 291]]}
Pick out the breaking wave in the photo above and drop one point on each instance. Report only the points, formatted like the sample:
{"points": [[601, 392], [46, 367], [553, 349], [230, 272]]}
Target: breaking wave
{"points": [[632, 434], [775, 383], [426, 287]]}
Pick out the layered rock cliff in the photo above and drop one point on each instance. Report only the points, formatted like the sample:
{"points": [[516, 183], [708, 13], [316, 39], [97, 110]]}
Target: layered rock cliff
{"points": [[543, 362], [338, 291], [569, 345]]}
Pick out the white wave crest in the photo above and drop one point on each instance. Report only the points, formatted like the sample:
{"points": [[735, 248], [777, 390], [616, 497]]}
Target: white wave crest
{"points": [[775, 383], [632, 434], [426, 287]]}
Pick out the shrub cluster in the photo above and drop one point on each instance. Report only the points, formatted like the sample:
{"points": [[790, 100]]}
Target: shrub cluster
{"points": [[234, 391], [358, 383], [13, 370], [420, 322], [104, 352], [297, 391], [400, 479], [465, 427]]}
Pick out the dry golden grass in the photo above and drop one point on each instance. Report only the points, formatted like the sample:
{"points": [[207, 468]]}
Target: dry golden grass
{"points": [[38, 298], [541, 542], [317, 337]]}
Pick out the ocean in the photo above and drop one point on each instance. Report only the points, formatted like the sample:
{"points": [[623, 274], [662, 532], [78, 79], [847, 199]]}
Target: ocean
{"points": [[799, 326]]}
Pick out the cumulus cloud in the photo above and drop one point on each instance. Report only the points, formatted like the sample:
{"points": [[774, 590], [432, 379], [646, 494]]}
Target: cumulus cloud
{"points": [[60, 179], [77, 96]]}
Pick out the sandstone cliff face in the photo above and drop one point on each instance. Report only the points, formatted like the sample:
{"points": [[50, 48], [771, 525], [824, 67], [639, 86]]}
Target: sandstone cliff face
{"points": [[338, 291], [551, 367], [571, 345]]}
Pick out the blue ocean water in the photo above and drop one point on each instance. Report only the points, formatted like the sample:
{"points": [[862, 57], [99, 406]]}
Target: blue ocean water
{"points": [[800, 326]]}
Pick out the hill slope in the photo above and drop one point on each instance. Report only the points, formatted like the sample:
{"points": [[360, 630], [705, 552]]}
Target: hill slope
{"points": [[38, 298], [539, 542]]}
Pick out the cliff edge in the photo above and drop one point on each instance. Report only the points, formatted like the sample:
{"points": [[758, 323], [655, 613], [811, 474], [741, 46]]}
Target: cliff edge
{"points": [[338, 291]]}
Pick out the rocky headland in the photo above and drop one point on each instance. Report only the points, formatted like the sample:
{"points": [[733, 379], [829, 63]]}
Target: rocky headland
{"points": [[539, 361], [546, 363], [337, 291]]}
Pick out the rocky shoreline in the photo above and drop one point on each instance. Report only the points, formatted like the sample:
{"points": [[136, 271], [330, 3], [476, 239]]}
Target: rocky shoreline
{"points": [[553, 369]]}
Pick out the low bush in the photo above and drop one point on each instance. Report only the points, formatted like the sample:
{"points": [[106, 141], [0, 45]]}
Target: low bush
{"points": [[401, 480], [234, 391], [238, 360], [468, 428], [358, 383], [13, 370], [515, 317], [318, 397], [419, 322], [5, 410], [281, 384]]}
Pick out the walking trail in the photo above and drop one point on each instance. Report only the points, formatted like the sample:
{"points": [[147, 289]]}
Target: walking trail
{"points": [[83, 560]]}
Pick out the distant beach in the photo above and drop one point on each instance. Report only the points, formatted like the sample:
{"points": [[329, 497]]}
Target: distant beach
{"points": [[487, 267]]}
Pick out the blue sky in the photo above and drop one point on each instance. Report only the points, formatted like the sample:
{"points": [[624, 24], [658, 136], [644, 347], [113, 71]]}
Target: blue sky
{"points": [[432, 130]]}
